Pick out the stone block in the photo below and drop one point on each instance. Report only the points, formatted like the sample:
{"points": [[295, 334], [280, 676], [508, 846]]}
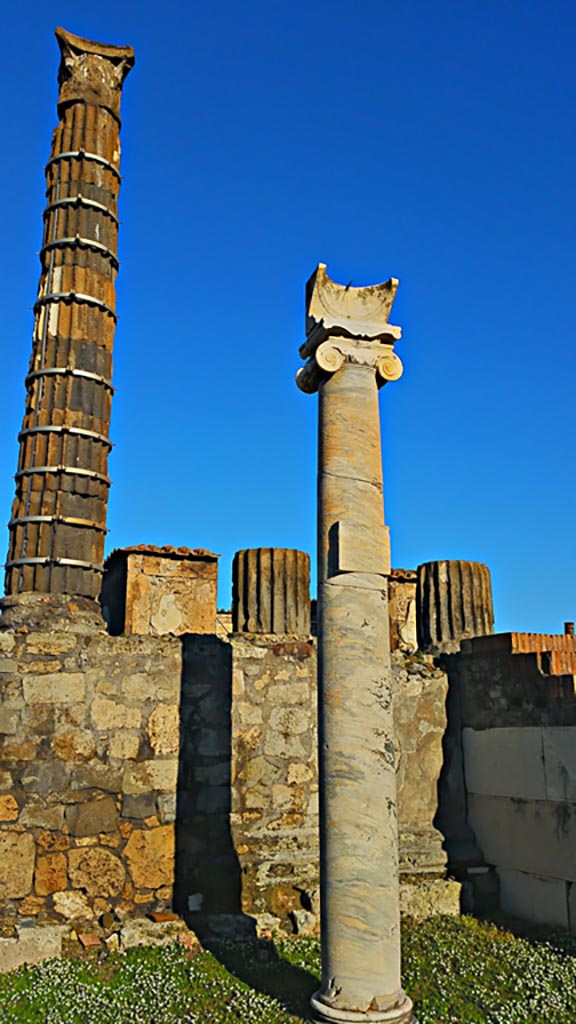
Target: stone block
{"points": [[427, 897], [31, 946], [533, 836], [92, 817], [96, 871], [46, 777], [16, 864], [50, 643], [164, 729], [559, 745], [139, 687], [150, 857], [74, 745], [9, 721], [139, 807], [73, 906], [166, 804], [505, 762], [533, 897], [124, 745], [6, 780], [142, 932], [50, 874], [57, 688], [142, 776], [109, 714], [9, 809], [41, 815]]}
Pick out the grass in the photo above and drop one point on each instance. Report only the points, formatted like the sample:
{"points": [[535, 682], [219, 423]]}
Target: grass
{"points": [[457, 970]]}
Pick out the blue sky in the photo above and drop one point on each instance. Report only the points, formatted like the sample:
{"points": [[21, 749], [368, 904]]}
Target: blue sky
{"points": [[433, 142]]}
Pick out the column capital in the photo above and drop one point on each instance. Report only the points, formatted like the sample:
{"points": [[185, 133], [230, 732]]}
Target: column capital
{"points": [[348, 325], [91, 72]]}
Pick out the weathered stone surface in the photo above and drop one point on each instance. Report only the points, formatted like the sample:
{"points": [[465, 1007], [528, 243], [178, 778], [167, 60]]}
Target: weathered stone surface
{"points": [[16, 864], [50, 874], [73, 906], [74, 745], [9, 721], [164, 729], [109, 714], [153, 933], [428, 897], [124, 744], [140, 806], [145, 775], [150, 856], [9, 809], [59, 688], [97, 871], [31, 946], [92, 817]]}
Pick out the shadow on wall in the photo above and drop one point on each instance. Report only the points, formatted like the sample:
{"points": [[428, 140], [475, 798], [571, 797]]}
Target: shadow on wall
{"points": [[208, 885]]}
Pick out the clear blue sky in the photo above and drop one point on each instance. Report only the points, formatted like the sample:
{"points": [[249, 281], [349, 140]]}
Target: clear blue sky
{"points": [[429, 141]]}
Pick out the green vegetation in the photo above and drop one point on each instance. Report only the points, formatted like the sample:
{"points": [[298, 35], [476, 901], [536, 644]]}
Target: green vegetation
{"points": [[457, 970]]}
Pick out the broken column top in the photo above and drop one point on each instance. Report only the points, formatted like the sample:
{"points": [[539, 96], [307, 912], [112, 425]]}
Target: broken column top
{"points": [[91, 72], [346, 324], [333, 308]]}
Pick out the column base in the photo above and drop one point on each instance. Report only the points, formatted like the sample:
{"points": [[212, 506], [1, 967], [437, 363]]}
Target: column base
{"points": [[322, 1013]]}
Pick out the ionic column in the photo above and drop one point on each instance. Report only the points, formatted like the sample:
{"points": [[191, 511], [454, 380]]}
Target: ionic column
{"points": [[349, 348], [59, 514]]}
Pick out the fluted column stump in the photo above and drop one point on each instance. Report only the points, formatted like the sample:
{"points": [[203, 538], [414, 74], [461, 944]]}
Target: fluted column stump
{"points": [[453, 603], [271, 591], [58, 520], [349, 349]]}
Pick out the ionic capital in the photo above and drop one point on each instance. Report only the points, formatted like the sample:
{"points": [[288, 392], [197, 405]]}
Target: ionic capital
{"points": [[346, 325], [332, 354]]}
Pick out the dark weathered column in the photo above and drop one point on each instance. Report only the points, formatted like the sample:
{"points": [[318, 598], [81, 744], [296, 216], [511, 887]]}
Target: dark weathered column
{"points": [[59, 513], [349, 348], [453, 603], [271, 591]]}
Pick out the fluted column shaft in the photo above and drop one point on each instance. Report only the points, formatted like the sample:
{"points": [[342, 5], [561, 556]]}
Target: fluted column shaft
{"points": [[58, 520]]}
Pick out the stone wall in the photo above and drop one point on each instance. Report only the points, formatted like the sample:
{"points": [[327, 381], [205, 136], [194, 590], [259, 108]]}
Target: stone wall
{"points": [[517, 713], [141, 774]]}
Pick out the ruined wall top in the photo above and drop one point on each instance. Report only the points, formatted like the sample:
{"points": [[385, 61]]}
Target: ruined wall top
{"points": [[91, 72]]}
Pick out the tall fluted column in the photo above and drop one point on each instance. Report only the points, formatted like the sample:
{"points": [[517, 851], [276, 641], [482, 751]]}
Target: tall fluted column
{"points": [[59, 514], [350, 354]]}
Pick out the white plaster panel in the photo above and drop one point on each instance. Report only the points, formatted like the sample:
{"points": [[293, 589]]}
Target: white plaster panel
{"points": [[559, 744], [534, 898], [504, 762], [535, 836]]}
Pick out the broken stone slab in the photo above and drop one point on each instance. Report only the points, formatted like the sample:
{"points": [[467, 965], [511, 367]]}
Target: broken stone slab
{"points": [[31, 945]]}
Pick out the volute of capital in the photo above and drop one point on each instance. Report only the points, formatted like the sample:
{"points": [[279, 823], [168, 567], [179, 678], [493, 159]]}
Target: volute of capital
{"points": [[91, 72], [335, 353]]}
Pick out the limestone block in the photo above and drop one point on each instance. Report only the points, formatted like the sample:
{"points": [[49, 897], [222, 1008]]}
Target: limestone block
{"points": [[534, 836], [73, 906], [97, 871], [16, 864], [534, 897], [57, 688], [74, 745], [559, 746], [50, 874], [124, 745], [150, 857], [139, 687], [31, 946], [6, 780], [143, 776], [164, 729], [505, 762], [50, 643], [92, 817], [141, 931], [271, 591], [9, 809], [109, 714], [290, 721], [454, 602], [9, 721], [7, 642], [42, 815], [429, 896], [138, 807]]}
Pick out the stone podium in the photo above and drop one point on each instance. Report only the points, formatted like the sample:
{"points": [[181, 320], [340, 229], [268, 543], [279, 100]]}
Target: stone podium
{"points": [[349, 352]]}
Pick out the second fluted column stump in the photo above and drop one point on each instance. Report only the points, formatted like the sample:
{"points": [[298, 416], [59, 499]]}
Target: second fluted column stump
{"points": [[349, 348]]}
